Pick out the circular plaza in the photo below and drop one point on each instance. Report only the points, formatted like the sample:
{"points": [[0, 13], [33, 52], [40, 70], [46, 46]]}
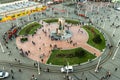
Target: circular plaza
{"points": [[41, 44], [47, 40]]}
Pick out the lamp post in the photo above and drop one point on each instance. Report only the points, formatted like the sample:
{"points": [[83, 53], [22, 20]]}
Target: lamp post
{"points": [[115, 53], [2, 47], [17, 22], [29, 17], [96, 69], [85, 12], [91, 8], [98, 8], [41, 14], [101, 4], [118, 43], [113, 32], [104, 23], [67, 69], [38, 68], [67, 12]]}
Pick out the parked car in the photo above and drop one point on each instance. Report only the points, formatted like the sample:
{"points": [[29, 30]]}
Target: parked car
{"points": [[3, 74], [67, 68]]}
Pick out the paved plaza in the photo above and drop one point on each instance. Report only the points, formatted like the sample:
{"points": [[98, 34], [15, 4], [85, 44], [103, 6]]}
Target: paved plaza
{"points": [[105, 19], [43, 42]]}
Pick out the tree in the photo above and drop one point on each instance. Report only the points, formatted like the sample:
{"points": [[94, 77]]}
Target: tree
{"points": [[79, 53], [97, 39]]}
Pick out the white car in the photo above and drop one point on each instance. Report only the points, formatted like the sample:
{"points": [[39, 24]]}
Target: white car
{"points": [[49, 2], [118, 8], [67, 68], [3, 74]]}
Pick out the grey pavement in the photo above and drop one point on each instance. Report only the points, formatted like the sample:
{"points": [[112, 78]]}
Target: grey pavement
{"points": [[88, 68]]}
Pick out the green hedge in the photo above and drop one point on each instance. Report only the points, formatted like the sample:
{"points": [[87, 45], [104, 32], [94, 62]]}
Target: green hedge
{"points": [[23, 40], [56, 20], [50, 20], [30, 28], [72, 21]]}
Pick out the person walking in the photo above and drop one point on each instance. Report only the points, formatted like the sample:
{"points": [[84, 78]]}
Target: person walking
{"points": [[12, 71], [20, 70], [12, 77], [116, 69]]}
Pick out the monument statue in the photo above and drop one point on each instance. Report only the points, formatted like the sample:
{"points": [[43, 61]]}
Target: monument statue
{"points": [[61, 22], [61, 33]]}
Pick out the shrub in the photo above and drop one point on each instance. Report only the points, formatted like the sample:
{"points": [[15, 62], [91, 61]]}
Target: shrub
{"points": [[72, 21], [23, 40], [51, 20], [79, 53], [97, 39]]}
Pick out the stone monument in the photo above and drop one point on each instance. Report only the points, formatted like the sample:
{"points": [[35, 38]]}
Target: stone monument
{"points": [[61, 33]]}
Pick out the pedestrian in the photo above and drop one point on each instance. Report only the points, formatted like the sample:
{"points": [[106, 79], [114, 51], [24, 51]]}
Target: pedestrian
{"points": [[12, 71], [6, 47], [12, 77], [82, 73], [19, 61], [116, 69], [15, 59], [42, 60], [20, 70], [35, 78], [48, 70]]}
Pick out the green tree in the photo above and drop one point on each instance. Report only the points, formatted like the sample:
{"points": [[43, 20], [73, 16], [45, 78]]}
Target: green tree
{"points": [[79, 53], [97, 39]]}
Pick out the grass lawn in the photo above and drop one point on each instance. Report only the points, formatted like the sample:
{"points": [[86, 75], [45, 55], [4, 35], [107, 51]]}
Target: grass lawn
{"points": [[92, 31], [30, 28], [62, 60]]}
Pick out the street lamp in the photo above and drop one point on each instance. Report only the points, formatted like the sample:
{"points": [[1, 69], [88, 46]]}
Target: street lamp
{"points": [[67, 12], [38, 68], [113, 32], [118, 43], [17, 22], [96, 69], [2, 47], [104, 23], [115, 53]]}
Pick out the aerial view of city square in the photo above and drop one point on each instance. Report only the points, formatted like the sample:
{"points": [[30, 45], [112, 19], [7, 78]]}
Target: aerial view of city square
{"points": [[59, 40]]}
